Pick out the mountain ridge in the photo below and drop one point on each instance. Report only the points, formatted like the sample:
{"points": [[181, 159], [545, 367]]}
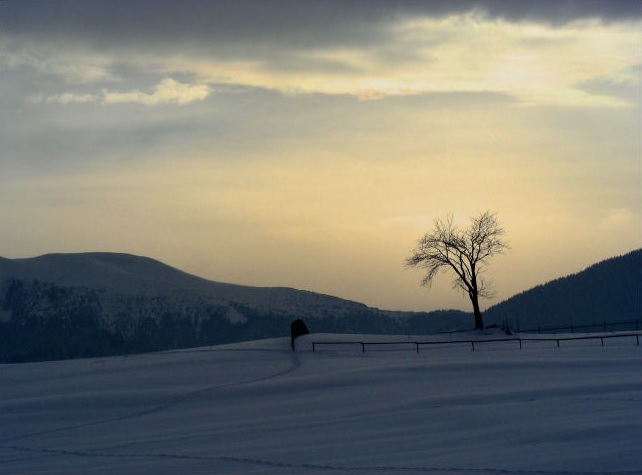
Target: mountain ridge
{"points": [[132, 274], [92, 304]]}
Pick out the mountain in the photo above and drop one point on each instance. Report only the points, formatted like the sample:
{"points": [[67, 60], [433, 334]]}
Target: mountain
{"points": [[91, 304], [134, 275], [597, 297], [60, 306]]}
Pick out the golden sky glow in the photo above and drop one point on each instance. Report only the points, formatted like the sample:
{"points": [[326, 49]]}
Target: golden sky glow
{"points": [[284, 151]]}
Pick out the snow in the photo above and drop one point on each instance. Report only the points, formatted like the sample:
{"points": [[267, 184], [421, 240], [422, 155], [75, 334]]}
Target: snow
{"points": [[258, 407]]}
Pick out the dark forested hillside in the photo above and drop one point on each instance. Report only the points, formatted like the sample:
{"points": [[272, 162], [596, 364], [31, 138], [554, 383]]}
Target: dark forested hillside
{"points": [[607, 292]]}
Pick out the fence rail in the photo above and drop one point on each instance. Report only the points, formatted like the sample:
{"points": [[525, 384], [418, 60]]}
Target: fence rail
{"points": [[472, 343], [605, 326], [629, 325]]}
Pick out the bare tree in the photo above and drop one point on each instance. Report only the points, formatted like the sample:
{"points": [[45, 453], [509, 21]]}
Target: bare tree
{"points": [[466, 252]]}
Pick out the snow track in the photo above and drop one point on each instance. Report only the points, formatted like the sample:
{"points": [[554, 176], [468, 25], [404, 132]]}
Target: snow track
{"points": [[313, 468], [295, 363]]}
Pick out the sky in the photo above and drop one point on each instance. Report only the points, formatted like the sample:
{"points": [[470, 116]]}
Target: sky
{"points": [[310, 144]]}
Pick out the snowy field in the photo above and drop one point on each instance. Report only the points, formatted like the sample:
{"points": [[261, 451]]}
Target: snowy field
{"points": [[260, 408]]}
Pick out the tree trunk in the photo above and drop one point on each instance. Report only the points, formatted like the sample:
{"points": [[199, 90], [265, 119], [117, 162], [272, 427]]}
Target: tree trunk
{"points": [[479, 323]]}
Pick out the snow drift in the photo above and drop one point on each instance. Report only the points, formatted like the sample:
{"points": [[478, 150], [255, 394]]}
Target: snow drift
{"points": [[258, 407]]}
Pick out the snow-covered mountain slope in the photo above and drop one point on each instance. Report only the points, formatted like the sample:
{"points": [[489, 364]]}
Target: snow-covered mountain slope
{"points": [[257, 407], [136, 275]]}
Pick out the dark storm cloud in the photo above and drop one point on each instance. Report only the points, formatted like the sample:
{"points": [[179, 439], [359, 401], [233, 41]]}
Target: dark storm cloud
{"points": [[250, 26], [214, 26], [556, 12]]}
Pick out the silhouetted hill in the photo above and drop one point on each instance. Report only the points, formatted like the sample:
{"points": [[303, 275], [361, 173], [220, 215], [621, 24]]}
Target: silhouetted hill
{"points": [[607, 292]]}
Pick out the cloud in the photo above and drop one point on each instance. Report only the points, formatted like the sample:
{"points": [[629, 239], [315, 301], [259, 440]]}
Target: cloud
{"points": [[71, 63], [289, 23], [537, 64], [617, 218], [68, 98], [168, 91], [624, 83], [368, 50], [558, 12]]}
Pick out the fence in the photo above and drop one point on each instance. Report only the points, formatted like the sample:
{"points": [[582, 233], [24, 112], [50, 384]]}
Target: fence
{"points": [[605, 326], [629, 325], [472, 343]]}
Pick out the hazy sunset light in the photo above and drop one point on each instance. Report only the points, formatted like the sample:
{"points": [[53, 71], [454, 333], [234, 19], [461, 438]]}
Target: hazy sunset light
{"points": [[309, 144]]}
